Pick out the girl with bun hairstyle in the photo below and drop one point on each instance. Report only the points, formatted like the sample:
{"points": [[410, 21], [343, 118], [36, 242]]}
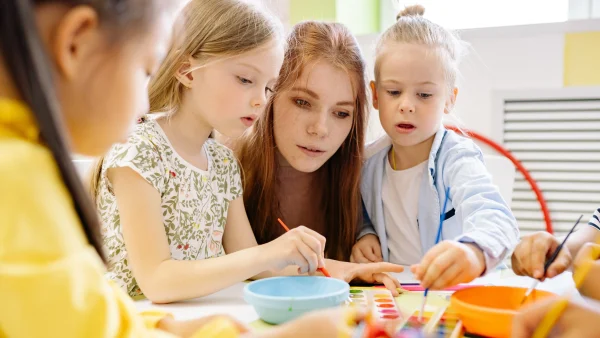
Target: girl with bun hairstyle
{"points": [[418, 165]]}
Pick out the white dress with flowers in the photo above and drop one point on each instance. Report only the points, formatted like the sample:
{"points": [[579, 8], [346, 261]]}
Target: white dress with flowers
{"points": [[194, 202]]}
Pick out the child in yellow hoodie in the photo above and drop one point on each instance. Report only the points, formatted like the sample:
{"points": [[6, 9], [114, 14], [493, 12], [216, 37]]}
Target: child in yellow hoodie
{"points": [[73, 77]]}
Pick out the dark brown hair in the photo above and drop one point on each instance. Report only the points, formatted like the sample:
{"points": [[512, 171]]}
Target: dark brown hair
{"points": [[28, 64], [310, 42]]}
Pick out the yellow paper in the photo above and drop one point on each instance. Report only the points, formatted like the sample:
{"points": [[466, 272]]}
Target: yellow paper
{"points": [[582, 52]]}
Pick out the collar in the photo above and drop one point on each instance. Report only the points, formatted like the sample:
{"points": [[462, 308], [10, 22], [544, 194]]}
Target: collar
{"points": [[435, 147], [16, 120]]}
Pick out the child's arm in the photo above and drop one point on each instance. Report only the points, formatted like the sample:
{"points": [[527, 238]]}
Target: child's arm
{"points": [[579, 238], [163, 279], [239, 236], [490, 230], [487, 220]]}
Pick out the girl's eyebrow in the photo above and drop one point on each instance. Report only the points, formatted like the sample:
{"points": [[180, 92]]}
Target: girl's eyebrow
{"points": [[398, 82], [250, 66]]}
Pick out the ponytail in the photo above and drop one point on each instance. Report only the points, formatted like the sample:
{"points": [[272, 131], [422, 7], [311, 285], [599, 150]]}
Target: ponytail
{"points": [[26, 60]]}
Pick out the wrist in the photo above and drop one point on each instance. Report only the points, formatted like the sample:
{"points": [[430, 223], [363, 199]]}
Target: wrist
{"points": [[262, 255], [479, 255]]}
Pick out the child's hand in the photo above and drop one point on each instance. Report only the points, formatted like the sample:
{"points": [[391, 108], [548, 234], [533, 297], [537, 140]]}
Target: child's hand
{"points": [[449, 263], [366, 250], [300, 246], [370, 273], [586, 270], [530, 255], [338, 322], [219, 325], [578, 320]]}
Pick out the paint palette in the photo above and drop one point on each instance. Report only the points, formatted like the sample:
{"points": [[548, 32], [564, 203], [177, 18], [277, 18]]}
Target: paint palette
{"points": [[381, 301], [432, 324]]}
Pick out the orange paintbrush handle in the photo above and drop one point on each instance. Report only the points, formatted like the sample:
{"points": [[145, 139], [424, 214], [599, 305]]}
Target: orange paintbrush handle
{"points": [[323, 270], [283, 225]]}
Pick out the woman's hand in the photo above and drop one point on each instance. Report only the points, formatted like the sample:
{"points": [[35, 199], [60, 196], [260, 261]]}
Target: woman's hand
{"points": [[370, 273]]}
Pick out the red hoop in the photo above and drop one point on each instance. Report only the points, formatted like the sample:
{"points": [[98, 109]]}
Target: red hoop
{"points": [[518, 165]]}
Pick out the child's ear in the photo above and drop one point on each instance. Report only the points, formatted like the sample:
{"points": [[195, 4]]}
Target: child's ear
{"points": [[184, 73], [451, 101], [76, 40], [374, 91]]}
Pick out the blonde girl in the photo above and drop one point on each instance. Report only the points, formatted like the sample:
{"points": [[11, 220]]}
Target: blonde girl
{"points": [[170, 198], [406, 177]]}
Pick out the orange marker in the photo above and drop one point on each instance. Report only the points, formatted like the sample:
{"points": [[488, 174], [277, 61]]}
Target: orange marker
{"points": [[323, 270]]}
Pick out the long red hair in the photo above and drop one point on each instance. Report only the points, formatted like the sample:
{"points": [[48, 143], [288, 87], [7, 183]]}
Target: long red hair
{"points": [[309, 42]]}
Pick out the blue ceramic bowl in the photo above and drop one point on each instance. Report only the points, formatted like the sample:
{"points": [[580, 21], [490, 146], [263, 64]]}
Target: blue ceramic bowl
{"points": [[280, 299]]}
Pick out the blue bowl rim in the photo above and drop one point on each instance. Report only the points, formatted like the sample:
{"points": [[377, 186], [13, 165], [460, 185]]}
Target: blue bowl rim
{"points": [[340, 292]]}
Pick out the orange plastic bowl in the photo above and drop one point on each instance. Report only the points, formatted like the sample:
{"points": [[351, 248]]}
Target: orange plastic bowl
{"points": [[489, 310]]}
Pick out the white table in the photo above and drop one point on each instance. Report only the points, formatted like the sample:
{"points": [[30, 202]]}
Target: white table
{"points": [[231, 300], [228, 301]]}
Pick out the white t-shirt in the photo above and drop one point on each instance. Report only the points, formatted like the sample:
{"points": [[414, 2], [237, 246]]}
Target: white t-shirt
{"points": [[400, 195]]}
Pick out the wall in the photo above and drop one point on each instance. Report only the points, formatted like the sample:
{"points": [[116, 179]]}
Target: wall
{"points": [[500, 58]]}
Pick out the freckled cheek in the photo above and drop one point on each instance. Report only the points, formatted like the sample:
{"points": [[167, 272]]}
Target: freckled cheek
{"points": [[346, 132], [339, 131], [288, 130], [285, 126]]}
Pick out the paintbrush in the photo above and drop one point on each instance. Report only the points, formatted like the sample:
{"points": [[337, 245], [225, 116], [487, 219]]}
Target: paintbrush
{"points": [[323, 270], [550, 261], [437, 240]]}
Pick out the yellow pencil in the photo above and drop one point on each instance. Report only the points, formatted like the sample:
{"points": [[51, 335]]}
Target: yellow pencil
{"points": [[543, 330]]}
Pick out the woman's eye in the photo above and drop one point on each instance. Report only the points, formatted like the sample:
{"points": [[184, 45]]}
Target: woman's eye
{"points": [[244, 80], [301, 103], [342, 114]]}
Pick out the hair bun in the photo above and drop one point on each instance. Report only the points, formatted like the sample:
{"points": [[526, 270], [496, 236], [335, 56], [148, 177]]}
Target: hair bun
{"points": [[414, 10]]}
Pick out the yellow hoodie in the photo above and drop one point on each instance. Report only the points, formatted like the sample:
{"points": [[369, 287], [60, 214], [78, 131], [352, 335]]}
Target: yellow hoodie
{"points": [[51, 279]]}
